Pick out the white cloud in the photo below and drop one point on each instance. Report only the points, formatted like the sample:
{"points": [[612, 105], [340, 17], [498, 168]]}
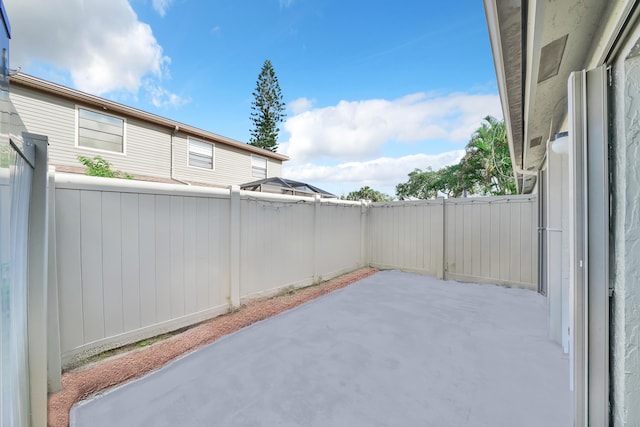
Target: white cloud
{"points": [[161, 6], [286, 3], [381, 174], [102, 44], [300, 105], [161, 97], [358, 129]]}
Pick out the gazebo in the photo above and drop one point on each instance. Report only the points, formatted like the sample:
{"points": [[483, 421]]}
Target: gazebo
{"points": [[286, 186]]}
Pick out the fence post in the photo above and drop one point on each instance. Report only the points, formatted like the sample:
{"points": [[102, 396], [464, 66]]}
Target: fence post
{"points": [[37, 285], [54, 363], [316, 234], [234, 246], [443, 253]]}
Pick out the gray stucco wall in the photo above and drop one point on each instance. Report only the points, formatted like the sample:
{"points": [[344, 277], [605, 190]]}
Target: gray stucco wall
{"points": [[625, 268]]}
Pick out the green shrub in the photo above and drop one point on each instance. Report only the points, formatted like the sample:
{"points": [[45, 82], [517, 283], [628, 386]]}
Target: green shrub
{"points": [[100, 167]]}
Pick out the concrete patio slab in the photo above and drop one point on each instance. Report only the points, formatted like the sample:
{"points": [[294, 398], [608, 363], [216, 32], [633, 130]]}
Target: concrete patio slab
{"points": [[394, 349]]}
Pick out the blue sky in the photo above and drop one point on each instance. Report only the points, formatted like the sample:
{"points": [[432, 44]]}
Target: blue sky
{"points": [[373, 89]]}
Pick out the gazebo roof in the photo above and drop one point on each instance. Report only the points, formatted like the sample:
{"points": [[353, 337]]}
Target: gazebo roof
{"points": [[287, 186]]}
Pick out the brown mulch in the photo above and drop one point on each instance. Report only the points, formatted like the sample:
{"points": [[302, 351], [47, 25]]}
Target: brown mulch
{"points": [[86, 381]]}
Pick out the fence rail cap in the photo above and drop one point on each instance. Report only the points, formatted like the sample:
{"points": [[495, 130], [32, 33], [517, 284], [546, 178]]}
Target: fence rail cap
{"points": [[275, 197], [84, 182]]}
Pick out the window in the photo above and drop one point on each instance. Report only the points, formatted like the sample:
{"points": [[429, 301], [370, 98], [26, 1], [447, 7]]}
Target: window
{"points": [[100, 131], [200, 154], [258, 167]]}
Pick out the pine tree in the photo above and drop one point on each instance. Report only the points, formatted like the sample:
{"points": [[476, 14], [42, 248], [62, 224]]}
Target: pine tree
{"points": [[267, 109]]}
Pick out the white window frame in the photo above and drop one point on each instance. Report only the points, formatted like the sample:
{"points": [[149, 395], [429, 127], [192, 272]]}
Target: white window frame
{"points": [[213, 154], [589, 249], [98, 150], [266, 166]]}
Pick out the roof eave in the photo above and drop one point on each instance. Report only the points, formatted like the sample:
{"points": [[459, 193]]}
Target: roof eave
{"points": [[32, 82], [507, 94]]}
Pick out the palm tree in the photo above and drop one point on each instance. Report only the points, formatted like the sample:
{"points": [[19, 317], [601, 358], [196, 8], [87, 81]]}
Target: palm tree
{"points": [[487, 162]]}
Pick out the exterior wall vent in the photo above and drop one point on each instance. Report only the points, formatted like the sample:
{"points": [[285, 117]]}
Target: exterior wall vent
{"points": [[551, 58], [535, 142]]}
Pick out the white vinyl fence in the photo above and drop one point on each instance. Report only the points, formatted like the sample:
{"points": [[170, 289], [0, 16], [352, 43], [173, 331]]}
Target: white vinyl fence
{"points": [[407, 236], [137, 259], [492, 240], [488, 239]]}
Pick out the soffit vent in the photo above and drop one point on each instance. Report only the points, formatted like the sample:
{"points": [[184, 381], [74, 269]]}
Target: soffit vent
{"points": [[550, 58], [535, 142]]}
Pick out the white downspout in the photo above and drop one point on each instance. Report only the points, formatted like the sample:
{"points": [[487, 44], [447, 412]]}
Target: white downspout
{"points": [[174, 132]]}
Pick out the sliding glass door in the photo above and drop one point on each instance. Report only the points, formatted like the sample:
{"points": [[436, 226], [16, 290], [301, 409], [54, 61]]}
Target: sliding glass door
{"points": [[16, 172]]}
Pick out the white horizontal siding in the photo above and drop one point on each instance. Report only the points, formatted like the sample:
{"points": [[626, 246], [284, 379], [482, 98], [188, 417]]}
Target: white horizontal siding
{"points": [[148, 150], [147, 147], [274, 168], [50, 116], [232, 166]]}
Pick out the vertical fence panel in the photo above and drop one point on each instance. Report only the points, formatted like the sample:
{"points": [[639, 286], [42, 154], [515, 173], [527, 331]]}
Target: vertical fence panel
{"points": [[215, 283], [450, 236], [406, 235], [495, 238], [202, 254], [466, 221], [485, 238], [130, 262], [91, 238], [504, 232], [190, 230], [176, 242], [112, 264], [280, 247], [163, 257], [147, 242], [224, 245], [525, 234], [515, 252], [340, 240], [68, 256], [476, 240]]}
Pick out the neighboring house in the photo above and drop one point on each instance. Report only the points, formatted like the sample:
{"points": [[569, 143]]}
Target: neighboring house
{"points": [[286, 186], [574, 66], [145, 145]]}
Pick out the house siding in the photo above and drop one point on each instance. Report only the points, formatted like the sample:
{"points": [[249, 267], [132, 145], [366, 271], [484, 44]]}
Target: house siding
{"points": [[274, 168], [56, 117], [147, 146], [47, 115], [232, 166]]}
